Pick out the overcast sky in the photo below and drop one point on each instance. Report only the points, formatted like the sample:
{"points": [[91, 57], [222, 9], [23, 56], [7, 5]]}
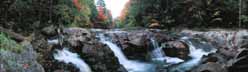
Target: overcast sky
{"points": [[115, 6]]}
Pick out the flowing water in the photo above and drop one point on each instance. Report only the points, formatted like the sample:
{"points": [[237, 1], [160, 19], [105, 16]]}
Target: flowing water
{"points": [[197, 50], [159, 55], [130, 65], [66, 56], [195, 53]]}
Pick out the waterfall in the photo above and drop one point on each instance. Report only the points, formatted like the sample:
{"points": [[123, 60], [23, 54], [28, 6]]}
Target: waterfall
{"points": [[157, 52], [131, 66], [66, 56], [159, 55], [195, 53], [53, 41]]}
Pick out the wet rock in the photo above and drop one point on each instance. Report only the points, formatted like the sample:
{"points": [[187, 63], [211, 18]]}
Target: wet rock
{"points": [[176, 49], [134, 52], [178, 44], [45, 54], [81, 41], [134, 44], [76, 36], [240, 63], [210, 67], [63, 67], [100, 58], [230, 53], [138, 38]]}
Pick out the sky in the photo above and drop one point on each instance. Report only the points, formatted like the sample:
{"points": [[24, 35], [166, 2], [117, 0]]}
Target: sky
{"points": [[115, 6]]}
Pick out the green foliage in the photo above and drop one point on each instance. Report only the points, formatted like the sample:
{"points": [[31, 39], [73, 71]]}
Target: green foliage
{"points": [[118, 24], [6, 44], [26, 16], [71, 16], [188, 13]]}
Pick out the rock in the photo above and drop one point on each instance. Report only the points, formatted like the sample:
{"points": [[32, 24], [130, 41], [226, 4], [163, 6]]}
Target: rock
{"points": [[76, 36], [23, 62], [137, 38], [134, 44], [49, 31], [240, 63], [134, 52], [2, 69], [176, 49], [100, 58], [81, 41], [154, 24], [228, 52], [210, 67], [178, 44]]}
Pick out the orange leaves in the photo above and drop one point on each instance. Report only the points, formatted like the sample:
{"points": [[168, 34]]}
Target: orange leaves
{"points": [[77, 4], [101, 15]]}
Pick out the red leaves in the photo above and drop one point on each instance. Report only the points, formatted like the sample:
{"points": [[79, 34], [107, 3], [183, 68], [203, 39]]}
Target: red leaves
{"points": [[78, 6], [101, 14]]}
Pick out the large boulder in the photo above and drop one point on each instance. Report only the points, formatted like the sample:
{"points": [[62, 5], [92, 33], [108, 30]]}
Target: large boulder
{"points": [[210, 67], [49, 31], [97, 55], [77, 36], [20, 62], [176, 49], [239, 64], [100, 58], [134, 44]]}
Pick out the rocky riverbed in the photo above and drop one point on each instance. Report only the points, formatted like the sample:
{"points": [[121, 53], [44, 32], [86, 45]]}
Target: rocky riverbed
{"points": [[156, 50]]}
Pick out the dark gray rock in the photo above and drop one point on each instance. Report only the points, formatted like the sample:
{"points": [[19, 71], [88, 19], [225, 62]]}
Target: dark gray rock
{"points": [[211, 67], [49, 31]]}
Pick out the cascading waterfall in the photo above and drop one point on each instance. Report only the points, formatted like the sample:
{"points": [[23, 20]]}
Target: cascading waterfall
{"points": [[157, 52], [53, 41], [195, 53], [66, 56], [159, 55], [131, 66]]}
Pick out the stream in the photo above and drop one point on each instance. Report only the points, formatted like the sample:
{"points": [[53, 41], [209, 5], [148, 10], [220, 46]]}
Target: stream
{"points": [[197, 50]]}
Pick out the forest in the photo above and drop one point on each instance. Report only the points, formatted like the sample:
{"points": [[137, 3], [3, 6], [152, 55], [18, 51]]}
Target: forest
{"points": [[28, 15], [186, 13], [147, 36]]}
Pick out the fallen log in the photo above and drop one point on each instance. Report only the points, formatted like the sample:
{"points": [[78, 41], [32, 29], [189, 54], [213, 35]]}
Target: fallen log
{"points": [[15, 36]]}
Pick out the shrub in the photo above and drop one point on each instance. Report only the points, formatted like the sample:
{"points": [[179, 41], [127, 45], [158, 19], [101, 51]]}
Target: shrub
{"points": [[8, 44]]}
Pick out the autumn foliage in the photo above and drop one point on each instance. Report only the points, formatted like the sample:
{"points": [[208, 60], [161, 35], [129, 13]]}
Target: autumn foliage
{"points": [[101, 13], [77, 4]]}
